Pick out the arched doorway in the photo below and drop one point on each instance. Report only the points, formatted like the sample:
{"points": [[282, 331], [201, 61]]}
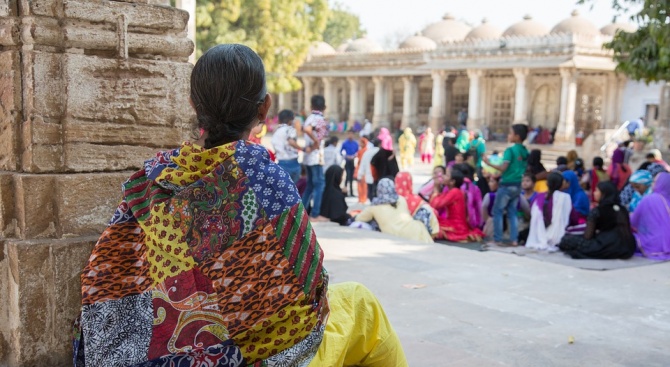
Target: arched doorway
{"points": [[588, 115], [502, 112], [545, 107]]}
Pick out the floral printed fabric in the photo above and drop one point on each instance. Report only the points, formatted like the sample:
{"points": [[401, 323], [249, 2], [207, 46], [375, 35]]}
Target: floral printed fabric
{"points": [[209, 260]]}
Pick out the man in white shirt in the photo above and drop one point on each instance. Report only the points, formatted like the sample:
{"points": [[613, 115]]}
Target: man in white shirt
{"points": [[286, 147], [365, 170], [316, 130]]}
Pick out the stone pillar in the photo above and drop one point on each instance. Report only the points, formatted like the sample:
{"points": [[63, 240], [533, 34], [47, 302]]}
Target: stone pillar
{"points": [[285, 101], [521, 96], [410, 102], [308, 92], [565, 131], [89, 90], [189, 6], [473, 97], [330, 95], [439, 104], [355, 100]]}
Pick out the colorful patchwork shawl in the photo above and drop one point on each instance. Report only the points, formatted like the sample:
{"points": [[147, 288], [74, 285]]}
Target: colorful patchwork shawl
{"points": [[209, 260]]}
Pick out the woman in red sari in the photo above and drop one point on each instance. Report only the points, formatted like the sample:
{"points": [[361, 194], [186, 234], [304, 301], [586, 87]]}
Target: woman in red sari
{"points": [[451, 209]]}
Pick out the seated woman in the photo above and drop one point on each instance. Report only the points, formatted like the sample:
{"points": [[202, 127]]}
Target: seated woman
{"points": [[626, 195], [392, 215], [473, 195], [650, 220], [549, 216], [210, 258], [641, 182], [608, 234], [594, 176], [580, 202], [334, 205], [618, 171], [418, 208], [487, 207], [536, 168], [451, 209]]}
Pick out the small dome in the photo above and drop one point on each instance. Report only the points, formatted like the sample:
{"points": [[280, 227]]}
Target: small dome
{"points": [[418, 42], [320, 48], [363, 45], [343, 46], [526, 28], [484, 31], [447, 30], [576, 25], [610, 29]]}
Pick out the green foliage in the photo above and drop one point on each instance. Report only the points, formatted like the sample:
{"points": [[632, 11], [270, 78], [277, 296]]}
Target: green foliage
{"points": [[280, 31], [342, 25], [645, 54]]}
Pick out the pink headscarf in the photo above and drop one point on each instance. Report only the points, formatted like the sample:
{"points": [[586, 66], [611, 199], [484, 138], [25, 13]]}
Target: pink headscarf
{"points": [[386, 139]]}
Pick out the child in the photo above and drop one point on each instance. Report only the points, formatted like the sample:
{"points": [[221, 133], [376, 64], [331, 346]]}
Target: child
{"points": [[487, 206], [528, 196], [515, 160], [451, 208]]}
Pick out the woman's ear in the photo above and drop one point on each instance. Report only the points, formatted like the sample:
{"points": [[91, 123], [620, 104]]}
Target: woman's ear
{"points": [[264, 108]]}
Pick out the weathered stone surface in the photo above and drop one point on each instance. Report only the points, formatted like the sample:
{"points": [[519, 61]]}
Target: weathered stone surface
{"points": [[8, 221], [35, 206], [8, 8], [9, 31], [10, 107], [77, 131], [44, 291], [82, 157], [146, 16]]}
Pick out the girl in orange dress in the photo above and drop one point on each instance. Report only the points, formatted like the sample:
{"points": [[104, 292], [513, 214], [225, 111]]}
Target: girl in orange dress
{"points": [[451, 209]]}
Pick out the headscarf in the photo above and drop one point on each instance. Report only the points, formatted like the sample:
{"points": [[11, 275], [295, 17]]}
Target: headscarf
{"points": [[642, 177], [403, 186], [386, 139], [463, 141], [386, 193], [535, 165], [544, 200], [651, 221], [658, 158], [608, 194], [333, 203], [579, 199], [618, 156]]}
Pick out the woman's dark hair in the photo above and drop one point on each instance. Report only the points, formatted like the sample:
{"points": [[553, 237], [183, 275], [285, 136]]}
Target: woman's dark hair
{"points": [[458, 177], [227, 88], [285, 116], [376, 142], [650, 155], [554, 183], [598, 162], [560, 161], [535, 165], [520, 130]]}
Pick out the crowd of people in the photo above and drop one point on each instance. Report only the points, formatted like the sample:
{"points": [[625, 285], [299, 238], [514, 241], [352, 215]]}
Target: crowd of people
{"points": [[472, 196]]}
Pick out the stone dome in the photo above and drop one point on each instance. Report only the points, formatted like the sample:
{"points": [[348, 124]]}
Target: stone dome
{"points": [[610, 29], [576, 25], [526, 28], [484, 31], [343, 46], [447, 30], [418, 42], [363, 45], [320, 48]]}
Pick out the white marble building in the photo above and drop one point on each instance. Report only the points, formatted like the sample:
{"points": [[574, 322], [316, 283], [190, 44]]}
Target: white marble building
{"points": [[558, 77]]}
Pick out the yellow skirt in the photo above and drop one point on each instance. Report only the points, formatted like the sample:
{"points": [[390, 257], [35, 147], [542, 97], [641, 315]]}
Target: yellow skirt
{"points": [[357, 332]]}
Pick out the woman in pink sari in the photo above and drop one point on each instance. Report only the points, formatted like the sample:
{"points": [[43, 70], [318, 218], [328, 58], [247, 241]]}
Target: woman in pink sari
{"points": [[651, 220], [386, 138]]}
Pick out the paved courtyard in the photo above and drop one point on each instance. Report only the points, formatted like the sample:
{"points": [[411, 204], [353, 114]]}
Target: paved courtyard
{"points": [[490, 308]]}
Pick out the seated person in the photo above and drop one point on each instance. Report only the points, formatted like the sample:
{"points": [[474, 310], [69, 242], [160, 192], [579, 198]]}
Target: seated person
{"points": [[549, 216], [561, 164], [473, 195], [528, 195], [594, 176], [608, 234], [390, 212], [204, 240], [487, 207], [650, 220], [580, 202], [626, 195], [641, 182], [451, 209], [334, 205], [418, 208], [536, 168]]}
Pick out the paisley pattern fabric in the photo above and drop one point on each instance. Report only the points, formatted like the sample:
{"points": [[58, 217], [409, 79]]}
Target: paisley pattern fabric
{"points": [[209, 260]]}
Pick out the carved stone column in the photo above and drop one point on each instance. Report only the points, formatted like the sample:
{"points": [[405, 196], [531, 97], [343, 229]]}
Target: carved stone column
{"points": [[565, 131], [330, 95], [308, 92], [355, 100], [382, 108], [474, 97], [521, 96], [439, 103], [410, 102]]}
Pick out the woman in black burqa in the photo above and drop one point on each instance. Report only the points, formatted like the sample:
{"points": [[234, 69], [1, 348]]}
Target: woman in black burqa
{"points": [[333, 204]]}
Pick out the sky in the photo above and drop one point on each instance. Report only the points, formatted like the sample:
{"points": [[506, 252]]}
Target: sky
{"points": [[383, 18]]}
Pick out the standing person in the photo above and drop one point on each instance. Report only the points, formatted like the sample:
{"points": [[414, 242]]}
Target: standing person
{"points": [[463, 141], [439, 151], [316, 130], [427, 145], [549, 216], [367, 129], [331, 154], [407, 145], [286, 146], [635, 128], [450, 150], [515, 161], [349, 151], [477, 150], [365, 168], [364, 145], [385, 138], [384, 163], [462, 117], [619, 171]]}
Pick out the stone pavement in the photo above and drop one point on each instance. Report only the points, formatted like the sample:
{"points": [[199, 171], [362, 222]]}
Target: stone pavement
{"points": [[490, 309]]}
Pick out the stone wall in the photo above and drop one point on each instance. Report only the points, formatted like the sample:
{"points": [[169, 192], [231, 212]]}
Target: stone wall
{"points": [[88, 90]]}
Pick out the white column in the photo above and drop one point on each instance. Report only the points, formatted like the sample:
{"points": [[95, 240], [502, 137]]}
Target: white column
{"points": [[355, 107], [565, 131], [410, 99], [521, 96], [307, 85], [439, 103], [381, 114], [189, 6], [473, 97], [330, 95], [285, 101]]}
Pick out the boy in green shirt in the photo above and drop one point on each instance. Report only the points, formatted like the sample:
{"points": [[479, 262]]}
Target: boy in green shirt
{"points": [[515, 160]]}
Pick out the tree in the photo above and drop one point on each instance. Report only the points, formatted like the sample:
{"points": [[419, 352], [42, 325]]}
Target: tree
{"points": [[342, 25], [644, 54], [281, 32]]}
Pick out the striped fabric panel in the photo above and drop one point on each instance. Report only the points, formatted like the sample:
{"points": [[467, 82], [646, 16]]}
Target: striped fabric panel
{"points": [[141, 194], [300, 246]]}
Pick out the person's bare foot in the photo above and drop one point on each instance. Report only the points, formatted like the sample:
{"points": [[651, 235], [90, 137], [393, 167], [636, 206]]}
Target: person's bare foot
{"points": [[319, 219]]}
